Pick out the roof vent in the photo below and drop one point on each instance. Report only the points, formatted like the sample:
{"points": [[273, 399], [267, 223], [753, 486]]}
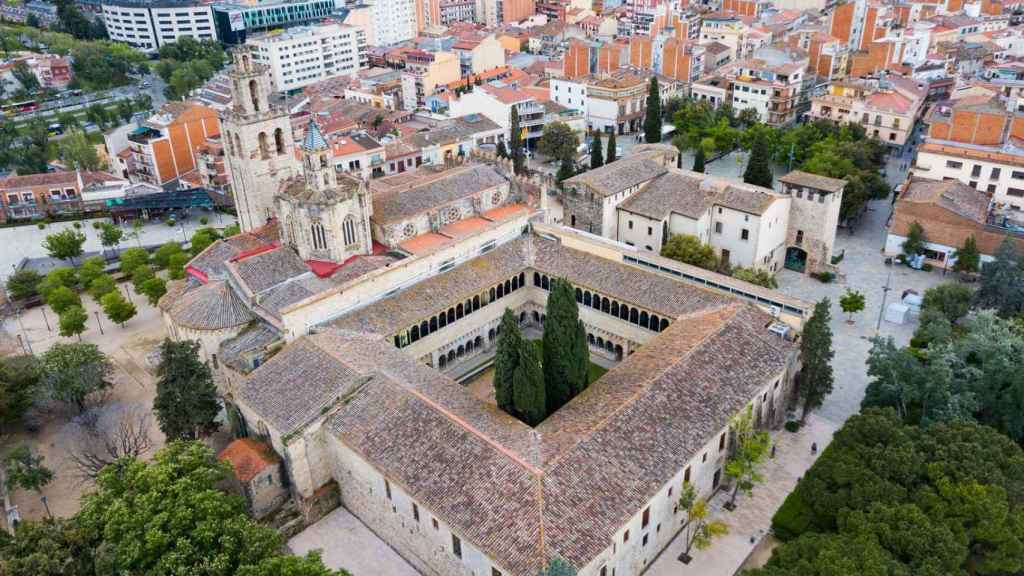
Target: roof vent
{"points": [[781, 329]]}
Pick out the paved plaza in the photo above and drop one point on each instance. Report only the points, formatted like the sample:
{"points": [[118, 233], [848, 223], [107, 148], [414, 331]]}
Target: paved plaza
{"points": [[362, 554]]}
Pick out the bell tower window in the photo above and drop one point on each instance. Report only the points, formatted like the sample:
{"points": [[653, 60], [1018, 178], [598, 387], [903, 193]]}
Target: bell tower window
{"points": [[319, 236], [279, 141], [254, 95], [264, 152], [349, 230]]}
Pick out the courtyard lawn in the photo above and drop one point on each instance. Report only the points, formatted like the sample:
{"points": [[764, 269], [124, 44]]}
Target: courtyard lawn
{"points": [[593, 373]]}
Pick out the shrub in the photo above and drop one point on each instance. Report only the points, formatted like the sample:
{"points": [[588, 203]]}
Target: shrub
{"points": [[792, 425], [793, 518], [824, 277], [41, 226], [204, 220], [97, 224], [77, 225], [927, 267], [169, 222]]}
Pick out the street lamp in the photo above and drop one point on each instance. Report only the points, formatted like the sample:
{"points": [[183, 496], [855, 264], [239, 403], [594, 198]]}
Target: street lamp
{"points": [[24, 333], [45, 319], [885, 293], [98, 323], [46, 505]]}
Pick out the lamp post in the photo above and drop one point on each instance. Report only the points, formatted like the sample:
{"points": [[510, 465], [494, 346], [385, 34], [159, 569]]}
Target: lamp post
{"points": [[45, 319], [25, 334], [46, 505], [885, 293], [98, 323]]}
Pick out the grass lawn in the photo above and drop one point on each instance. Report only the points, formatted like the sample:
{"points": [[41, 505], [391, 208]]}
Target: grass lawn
{"points": [[593, 372]]}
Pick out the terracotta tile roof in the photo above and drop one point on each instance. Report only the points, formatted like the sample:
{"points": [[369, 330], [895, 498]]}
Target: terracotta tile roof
{"points": [[400, 204], [674, 191], [806, 179], [211, 306], [951, 195], [267, 269], [210, 263], [248, 457], [65, 178], [617, 176], [254, 338]]}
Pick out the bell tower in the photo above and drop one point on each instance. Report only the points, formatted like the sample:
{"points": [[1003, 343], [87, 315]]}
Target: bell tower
{"points": [[257, 141]]}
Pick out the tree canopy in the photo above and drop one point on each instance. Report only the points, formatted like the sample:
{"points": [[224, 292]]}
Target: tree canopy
{"points": [[566, 356], [688, 250], [558, 141], [186, 403], [652, 118], [816, 353], [65, 245], [76, 372]]}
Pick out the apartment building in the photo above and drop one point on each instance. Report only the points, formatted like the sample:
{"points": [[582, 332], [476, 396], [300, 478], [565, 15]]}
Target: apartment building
{"points": [[36, 196], [163, 148], [612, 102], [301, 56], [887, 107], [457, 11], [972, 141], [424, 71], [238, 18], [148, 25], [496, 104], [683, 61], [774, 82]]}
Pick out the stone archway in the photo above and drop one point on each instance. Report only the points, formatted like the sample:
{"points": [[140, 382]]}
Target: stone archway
{"points": [[796, 259]]}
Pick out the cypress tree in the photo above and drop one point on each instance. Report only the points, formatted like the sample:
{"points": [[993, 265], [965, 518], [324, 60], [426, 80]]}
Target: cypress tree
{"points": [[816, 353], [528, 391], [506, 359], [610, 156], [596, 155], [566, 357], [759, 169], [698, 160], [652, 122], [516, 144], [501, 151]]}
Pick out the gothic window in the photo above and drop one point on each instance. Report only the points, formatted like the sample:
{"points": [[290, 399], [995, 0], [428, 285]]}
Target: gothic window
{"points": [[279, 141], [319, 236], [254, 94], [348, 228], [264, 152], [323, 161]]}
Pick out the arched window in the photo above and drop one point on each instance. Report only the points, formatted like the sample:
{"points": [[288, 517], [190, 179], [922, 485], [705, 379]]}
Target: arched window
{"points": [[442, 320], [254, 93], [608, 345], [586, 298], [433, 324], [634, 316], [579, 295], [279, 141], [536, 279], [264, 152], [476, 303], [624, 312], [415, 334], [490, 335], [544, 283], [508, 287], [654, 323], [424, 329], [461, 351], [478, 341], [643, 319], [501, 291], [515, 283], [618, 351], [605, 305], [597, 302], [615, 308], [590, 339], [493, 298], [469, 307], [451, 356], [398, 342], [442, 361], [522, 317], [319, 236], [469, 347], [543, 317], [458, 311], [348, 228], [536, 316], [522, 279], [663, 325], [600, 342], [451, 315]]}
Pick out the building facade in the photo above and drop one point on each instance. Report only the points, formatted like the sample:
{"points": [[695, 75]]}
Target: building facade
{"points": [[164, 147], [149, 25], [299, 57]]}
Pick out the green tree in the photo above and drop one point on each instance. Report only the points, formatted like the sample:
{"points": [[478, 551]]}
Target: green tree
{"points": [[968, 259], [72, 322], [953, 300], [97, 114], [101, 286], [558, 141], [125, 110], [916, 239], [26, 470], [516, 143], [110, 235], [31, 155], [132, 258], [688, 250], [566, 170], [596, 154], [557, 566], [528, 386], [500, 150], [23, 284], [698, 160], [309, 565], [186, 401], [1001, 286], [506, 358], [57, 278], [566, 356], [91, 268], [758, 276], [117, 307], [153, 289], [612, 154], [202, 239], [140, 275], [750, 447], [759, 165], [24, 75], [76, 372], [8, 137], [162, 256], [851, 302], [232, 230], [168, 516], [19, 384], [65, 245], [53, 547], [700, 531], [652, 119], [816, 354], [61, 298], [78, 153], [176, 266]]}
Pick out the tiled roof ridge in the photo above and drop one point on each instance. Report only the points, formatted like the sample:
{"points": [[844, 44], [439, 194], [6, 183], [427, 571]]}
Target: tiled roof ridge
{"points": [[731, 309]]}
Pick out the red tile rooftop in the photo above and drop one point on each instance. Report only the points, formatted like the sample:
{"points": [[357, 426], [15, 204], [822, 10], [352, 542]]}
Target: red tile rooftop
{"points": [[424, 243], [504, 212]]}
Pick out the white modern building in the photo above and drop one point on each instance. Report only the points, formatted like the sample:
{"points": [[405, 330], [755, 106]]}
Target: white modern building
{"points": [[394, 21], [149, 25], [302, 56]]}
